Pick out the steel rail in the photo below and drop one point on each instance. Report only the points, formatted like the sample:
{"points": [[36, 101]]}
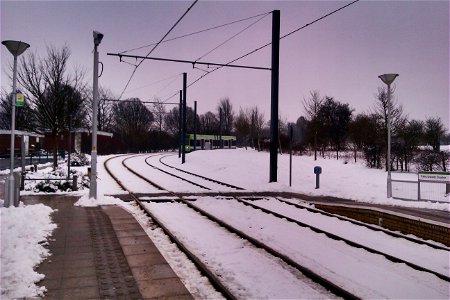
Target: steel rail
{"points": [[348, 242], [215, 281], [334, 288], [204, 270], [176, 176], [200, 176], [373, 227], [139, 175]]}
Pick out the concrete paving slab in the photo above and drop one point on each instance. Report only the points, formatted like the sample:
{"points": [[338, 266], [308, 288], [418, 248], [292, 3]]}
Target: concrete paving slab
{"points": [[103, 253]]}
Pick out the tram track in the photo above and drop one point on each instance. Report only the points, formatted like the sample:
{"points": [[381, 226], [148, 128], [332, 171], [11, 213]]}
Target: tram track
{"points": [[217, 282], [370, 226], [200, 176], [204, 269], [347, 241]]}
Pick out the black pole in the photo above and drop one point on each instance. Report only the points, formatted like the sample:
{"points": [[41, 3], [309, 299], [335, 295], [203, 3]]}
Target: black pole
{"points": [[274, 95], [291, 136], [180, 123], [183, 131], [195, 125], [220, 128], [69, 145]]}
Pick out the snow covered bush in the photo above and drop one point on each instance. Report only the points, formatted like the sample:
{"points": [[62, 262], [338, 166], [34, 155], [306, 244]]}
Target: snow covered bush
{"points": [[50, 186], [79, 159]]}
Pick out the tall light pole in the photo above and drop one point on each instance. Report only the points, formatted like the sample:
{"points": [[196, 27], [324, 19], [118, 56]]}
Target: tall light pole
{"points": [[93, 180], [16, 48], [388, 79]]}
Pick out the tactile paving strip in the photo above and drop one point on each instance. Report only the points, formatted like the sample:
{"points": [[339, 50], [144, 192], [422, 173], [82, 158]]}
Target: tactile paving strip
{"points": [[114, 276]]}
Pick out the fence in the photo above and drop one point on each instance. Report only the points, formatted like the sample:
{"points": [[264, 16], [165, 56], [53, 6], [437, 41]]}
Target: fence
{"points": [[421, 190]]}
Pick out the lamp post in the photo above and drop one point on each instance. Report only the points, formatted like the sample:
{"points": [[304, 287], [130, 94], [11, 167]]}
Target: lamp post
{"points": [[93, 180], [388, 79], [16, 48]]}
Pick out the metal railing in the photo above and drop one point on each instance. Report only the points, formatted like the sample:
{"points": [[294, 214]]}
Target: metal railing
{"points": [[419, 190]]}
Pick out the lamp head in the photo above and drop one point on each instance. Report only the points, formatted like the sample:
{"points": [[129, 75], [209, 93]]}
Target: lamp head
{"points": [[97, 37], [15, 47], [388, 78]]}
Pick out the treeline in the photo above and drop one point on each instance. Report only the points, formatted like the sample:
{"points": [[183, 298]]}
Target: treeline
{"points": [[56, 97], [329, 125]]}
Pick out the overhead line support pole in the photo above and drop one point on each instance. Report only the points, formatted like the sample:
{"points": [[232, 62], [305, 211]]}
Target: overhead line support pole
{"points": [[183, 137], [195, 125], [180, 124], [220, 127], [274, 96]]}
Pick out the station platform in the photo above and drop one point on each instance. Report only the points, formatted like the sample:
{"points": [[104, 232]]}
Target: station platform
{"points": [[103, 253]]}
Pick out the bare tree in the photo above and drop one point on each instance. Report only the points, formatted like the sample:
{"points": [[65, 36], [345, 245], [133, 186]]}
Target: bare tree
{"points": [[380, 109], [227, 115], [53, 92], [242, 127], [334, 118], [256, 126], [171, 120], [209, 123], [104, 109], [434, 132], [159, 111], [132, 122], [312, 107]]}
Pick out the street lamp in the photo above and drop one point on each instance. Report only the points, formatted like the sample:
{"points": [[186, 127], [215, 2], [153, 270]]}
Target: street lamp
{"points": [[93, 182], [16, 48], [388, 79]]}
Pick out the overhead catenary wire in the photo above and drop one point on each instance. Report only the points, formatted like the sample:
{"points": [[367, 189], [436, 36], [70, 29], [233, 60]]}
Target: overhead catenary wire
{"points": [[268, 44], [158, 81], [166, 86], [157, 44], [197, 32], [233, 36]]}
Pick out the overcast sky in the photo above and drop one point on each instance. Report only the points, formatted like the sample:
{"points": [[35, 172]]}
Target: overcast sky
{"points": [[340, 56]]}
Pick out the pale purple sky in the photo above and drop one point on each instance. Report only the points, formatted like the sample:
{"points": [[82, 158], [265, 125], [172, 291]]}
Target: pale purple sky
{"points": [[340, 56]]}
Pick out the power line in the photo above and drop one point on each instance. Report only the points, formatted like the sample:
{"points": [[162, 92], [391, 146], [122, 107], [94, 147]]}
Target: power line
{"points": [[197, 32], [263, 46], [282, 37], [156, 82], [233, 36], [166, 86], [157, 44]]}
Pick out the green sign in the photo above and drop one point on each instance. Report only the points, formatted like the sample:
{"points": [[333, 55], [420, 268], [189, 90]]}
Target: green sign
{"points": [[19, 99]]}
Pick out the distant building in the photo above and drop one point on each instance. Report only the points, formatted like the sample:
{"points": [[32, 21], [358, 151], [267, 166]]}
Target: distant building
{"points": [[32, 142], [81, 142]]}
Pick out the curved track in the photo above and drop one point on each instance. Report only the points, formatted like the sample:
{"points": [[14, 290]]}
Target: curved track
{"points": [[217, 282], [200, 176]]}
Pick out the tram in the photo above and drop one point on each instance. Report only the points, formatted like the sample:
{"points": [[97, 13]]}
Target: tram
{"points": [[210, 142]]}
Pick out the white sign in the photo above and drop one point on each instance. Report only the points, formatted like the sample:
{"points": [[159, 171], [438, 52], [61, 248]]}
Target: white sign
{"points": [[434, 176]]}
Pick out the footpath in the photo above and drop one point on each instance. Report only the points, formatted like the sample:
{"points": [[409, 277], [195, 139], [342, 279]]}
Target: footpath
{"points": [[103, 253]]}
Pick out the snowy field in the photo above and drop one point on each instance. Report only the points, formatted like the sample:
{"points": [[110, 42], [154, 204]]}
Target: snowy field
{"points": [[340, 178]]}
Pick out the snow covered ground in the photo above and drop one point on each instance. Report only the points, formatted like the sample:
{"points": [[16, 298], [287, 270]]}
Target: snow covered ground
{"points": [[24, 231], [245, 168], [340, 178]]}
